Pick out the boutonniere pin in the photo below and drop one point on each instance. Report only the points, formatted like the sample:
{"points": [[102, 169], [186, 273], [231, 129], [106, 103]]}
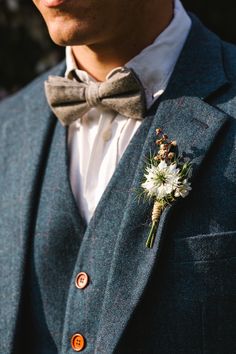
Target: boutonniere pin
{"points": [[166, 179]]}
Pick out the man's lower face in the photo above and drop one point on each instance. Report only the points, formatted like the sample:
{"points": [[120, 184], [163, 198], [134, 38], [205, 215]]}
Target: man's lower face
{"points": [[78, 22], [66, 19]]}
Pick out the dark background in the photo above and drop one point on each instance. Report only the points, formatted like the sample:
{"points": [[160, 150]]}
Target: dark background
{"points": [[26, 50]]}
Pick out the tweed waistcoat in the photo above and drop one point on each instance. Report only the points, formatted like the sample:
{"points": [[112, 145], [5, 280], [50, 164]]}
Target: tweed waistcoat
{"points": [[62, 247]]}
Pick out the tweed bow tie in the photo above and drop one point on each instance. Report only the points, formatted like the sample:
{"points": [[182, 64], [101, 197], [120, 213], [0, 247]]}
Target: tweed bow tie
{"points": [[70, 99]]}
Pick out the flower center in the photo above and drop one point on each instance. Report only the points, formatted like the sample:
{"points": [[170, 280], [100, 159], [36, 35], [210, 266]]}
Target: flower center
{"points": [[161, 178]]}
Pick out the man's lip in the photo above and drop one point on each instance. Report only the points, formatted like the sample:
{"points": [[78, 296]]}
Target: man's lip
{"points": [[53, 3]]}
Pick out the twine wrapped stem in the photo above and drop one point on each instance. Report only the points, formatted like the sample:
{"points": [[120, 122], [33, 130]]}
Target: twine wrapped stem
{"points": [[156, 214]]}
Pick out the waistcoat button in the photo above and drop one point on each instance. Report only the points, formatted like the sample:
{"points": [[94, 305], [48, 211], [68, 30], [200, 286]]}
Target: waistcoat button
{"points": [[82, 280], [77, 342]]}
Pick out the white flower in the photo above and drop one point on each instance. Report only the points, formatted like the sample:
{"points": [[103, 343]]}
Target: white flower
{"points": [[161, 180], [183, 189]]}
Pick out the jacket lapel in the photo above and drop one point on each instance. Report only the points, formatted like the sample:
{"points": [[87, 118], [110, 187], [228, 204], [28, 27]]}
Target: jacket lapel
{"points": [[186, 117], [25, 141]]}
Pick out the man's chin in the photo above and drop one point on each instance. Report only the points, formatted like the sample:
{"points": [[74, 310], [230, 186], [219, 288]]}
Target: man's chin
{"points": [[65, 37], [58, 40], [71, 32]]}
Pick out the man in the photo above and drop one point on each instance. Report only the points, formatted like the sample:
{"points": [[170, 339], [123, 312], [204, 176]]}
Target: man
{"points": [[75, 273]]}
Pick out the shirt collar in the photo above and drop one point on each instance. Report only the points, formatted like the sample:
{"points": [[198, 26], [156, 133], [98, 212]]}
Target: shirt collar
{"points": [[154, 64]]}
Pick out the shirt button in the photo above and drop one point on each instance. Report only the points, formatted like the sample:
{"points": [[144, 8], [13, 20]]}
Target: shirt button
{"points": [[77, 342], [107, 135], [82, 280]]}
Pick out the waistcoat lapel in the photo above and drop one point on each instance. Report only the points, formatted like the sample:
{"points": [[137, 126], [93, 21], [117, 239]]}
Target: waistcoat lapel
{"points": [[24, 144], [185, 117], [58, 234]]}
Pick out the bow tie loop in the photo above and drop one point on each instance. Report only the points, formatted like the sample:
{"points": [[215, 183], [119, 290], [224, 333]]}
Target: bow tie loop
{"points": [[121, 92]]}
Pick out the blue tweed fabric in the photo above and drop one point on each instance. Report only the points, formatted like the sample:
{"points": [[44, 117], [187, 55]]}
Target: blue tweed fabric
{"points": [[178, 297]]}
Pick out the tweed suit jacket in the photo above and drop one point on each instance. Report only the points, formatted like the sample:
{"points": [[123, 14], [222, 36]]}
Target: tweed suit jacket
{"points": [[179, 296]]}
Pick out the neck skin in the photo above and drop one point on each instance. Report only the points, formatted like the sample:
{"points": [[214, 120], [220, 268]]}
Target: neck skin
{"points": [[100, 58]]}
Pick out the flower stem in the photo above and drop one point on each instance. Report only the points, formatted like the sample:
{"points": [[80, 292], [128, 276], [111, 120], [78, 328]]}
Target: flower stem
{"points": [[151, 235]]}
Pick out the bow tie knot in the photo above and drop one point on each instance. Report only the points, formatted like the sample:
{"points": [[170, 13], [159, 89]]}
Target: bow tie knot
{"points": [[71, 99], [92, 94]]}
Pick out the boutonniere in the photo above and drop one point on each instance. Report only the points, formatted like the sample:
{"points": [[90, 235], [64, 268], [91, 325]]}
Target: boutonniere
{"points": [[166, 179]]}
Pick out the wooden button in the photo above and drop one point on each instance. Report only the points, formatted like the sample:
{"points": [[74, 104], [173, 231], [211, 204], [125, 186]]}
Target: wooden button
{"points": [[82, 280], [77, 342]]}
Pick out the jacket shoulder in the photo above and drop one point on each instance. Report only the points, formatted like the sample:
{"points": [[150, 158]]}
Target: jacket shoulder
{"points": [[17, 103], [229, 59], [226, 100]]}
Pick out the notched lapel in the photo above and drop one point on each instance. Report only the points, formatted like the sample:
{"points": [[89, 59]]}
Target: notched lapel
{"points": [[195, 125], [184, 116]]}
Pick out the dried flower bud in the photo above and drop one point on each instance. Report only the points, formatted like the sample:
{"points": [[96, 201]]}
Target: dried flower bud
{"points": [[164, 146], [162, 153], [159, 141], [171, 155], [158, 131]]}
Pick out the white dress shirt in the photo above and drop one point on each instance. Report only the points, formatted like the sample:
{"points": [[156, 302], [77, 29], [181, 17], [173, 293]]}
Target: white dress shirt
{"points": [[97, 140]]}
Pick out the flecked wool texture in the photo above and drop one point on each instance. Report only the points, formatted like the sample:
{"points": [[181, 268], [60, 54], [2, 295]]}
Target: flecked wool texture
{"points": [[178, 297]]}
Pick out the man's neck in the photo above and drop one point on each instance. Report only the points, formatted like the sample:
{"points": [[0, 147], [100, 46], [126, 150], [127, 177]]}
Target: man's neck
{"points": [[100, 58]]}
